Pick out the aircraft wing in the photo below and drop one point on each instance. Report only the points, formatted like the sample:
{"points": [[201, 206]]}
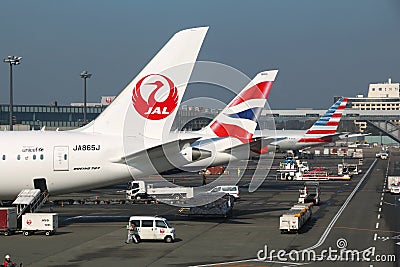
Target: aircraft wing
{"points": [[256, 145], [348, 135], [166, 156]]}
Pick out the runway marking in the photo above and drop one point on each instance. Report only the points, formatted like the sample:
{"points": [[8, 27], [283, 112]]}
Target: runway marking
{"points": [[381, 198], [380, 204], [387, 203], [375, 236], [380, 209], [383, 194], [377, 225], [330, 226], [366, 229], [379, 216]]}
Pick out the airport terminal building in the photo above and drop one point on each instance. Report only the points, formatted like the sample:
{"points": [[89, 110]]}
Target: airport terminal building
{"points": [[382, 97]]}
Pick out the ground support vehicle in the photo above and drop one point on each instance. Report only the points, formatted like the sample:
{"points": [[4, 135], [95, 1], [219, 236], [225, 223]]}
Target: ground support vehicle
{"points": [[138, 190], [39, 222], [8, 220], [393, 184], [294, 219], [152, 228], [306, 196], [222, 207]]}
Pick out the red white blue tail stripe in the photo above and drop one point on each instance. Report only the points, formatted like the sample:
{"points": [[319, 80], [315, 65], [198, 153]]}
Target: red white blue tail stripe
{"points": [[239, 118], [327, 124]]}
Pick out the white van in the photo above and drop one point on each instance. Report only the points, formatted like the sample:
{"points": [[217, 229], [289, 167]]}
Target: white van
{"points": [[232, 190], [153, 228]]}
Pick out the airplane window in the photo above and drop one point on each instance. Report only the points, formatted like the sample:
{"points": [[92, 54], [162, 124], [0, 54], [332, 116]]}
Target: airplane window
{"points": [[34, 157], [41, 157], [4, 157], [65, 156], [18, 157]]}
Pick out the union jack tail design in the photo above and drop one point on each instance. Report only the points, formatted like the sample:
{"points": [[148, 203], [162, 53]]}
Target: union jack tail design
{"points": [[239, 118], [327, 124]]}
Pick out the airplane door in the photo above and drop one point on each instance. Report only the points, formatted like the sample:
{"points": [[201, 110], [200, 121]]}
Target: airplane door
{"points": [[61, 158]]}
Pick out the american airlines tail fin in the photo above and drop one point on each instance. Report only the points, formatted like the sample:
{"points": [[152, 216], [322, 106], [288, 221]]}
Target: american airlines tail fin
{"points": [[329, 122], [239, 118], [148, 105]]}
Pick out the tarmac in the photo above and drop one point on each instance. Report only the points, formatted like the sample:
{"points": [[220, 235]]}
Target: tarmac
{"points": [[357, 215]]}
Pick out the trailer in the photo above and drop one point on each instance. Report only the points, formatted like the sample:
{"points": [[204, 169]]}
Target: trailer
{"points": [[348, 168], [298, 170], [140, 190], [222, 207], [8, 220], [294, 219], [39, 222]]}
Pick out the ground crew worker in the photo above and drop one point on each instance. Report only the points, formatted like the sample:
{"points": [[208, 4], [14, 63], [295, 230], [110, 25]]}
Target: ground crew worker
{"points": [[132, 234], [8, 262]]}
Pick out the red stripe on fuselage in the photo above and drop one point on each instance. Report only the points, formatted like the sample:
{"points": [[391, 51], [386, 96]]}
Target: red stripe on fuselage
{"points": [[315, 140]]}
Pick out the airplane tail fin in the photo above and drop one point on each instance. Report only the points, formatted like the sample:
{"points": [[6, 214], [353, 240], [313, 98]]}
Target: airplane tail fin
{"points": [[148, 105], [239, 118], [329, 122]]}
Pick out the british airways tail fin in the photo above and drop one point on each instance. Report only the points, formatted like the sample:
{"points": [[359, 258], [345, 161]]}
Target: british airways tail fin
{"points": [[329, 122], [239, 118], [148, 105]]}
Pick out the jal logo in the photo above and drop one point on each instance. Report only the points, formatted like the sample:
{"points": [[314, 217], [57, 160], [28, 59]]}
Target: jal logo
{"points": [[108, 100], [155, 97], [28, 222], [162, 231]]}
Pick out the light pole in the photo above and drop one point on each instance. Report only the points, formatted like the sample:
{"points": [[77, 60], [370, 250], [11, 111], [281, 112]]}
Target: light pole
{"points": [[84, 75], [12, 60]]}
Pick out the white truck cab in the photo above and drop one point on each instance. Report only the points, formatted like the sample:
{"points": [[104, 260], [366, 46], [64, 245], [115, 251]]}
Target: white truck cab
{"points": [[395, 189], [153, 228]]}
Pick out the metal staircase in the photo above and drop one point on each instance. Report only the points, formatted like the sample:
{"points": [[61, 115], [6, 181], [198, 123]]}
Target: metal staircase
{"points": [[29, 200]]}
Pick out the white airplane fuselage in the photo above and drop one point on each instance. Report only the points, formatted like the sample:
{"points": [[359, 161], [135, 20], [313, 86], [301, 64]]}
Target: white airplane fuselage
{"points": [[69, 161], [289, 139]]}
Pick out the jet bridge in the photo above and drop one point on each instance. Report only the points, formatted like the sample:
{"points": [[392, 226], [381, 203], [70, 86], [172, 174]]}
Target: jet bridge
{"points": [[387, 127]]}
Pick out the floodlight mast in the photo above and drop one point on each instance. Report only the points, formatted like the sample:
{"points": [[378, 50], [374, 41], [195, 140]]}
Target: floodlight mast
{"points": [[85, 75], [12, 60]]}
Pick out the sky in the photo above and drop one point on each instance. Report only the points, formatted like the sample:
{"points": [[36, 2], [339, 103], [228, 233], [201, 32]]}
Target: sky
{"points": [[321, 48]]}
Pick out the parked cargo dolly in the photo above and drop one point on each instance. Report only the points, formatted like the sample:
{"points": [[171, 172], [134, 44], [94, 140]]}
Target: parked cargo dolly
{"points": [[39, 222], [8, 220]]}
